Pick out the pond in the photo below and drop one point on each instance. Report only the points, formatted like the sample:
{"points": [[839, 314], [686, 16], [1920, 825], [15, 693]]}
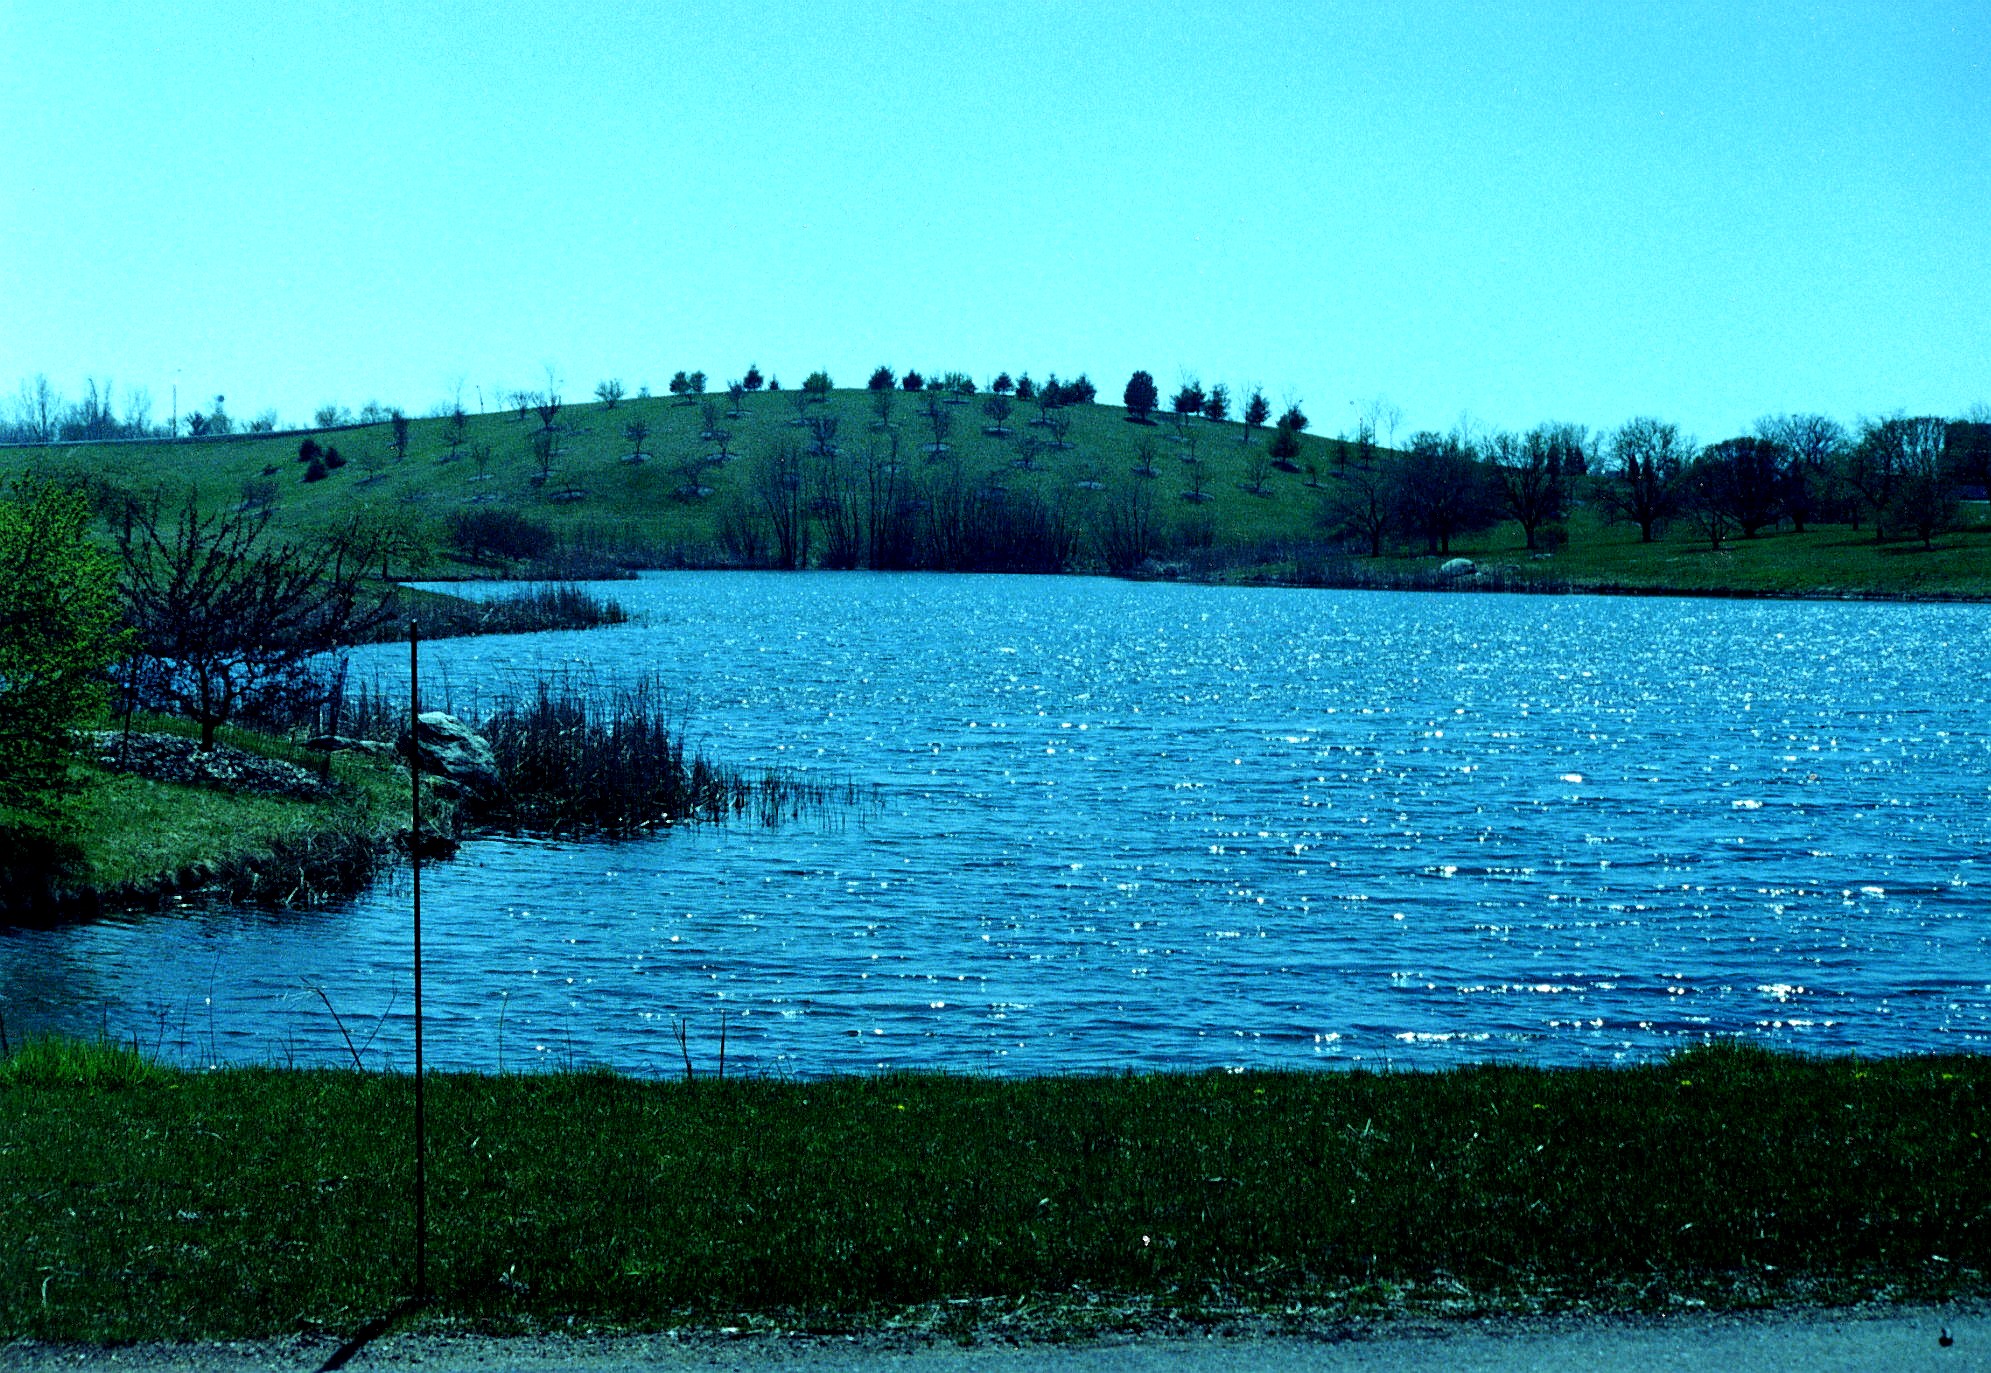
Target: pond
{"points": [[1133, 825]]}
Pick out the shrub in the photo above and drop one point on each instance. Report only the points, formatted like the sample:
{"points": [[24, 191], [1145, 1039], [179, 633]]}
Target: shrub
{"points": [[498, 533]]}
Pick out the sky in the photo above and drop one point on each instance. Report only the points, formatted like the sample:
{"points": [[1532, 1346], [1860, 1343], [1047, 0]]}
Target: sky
{"points": [[1706, 212]]}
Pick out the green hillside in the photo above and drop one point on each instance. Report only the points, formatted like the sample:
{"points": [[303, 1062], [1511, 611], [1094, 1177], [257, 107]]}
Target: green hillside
{"points": [[1242, 518]]}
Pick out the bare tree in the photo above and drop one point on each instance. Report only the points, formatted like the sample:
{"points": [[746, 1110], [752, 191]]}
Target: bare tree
{"points": [[1361, 495], [1647, 458], [1897, 468], [37, 408], [456, 431], [230, 618], [609, 393], [1811, 447], [1534, 473]]}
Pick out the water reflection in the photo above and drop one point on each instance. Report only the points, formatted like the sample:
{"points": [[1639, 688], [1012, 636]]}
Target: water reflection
{"points": [[1171, 826]]}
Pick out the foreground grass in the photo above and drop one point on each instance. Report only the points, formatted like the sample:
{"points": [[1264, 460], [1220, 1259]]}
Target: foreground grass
{"points": [[141, 1202], [617, 511]]}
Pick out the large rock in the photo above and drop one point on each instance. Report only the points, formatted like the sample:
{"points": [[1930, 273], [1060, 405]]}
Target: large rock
{"points": [[446, 747]]}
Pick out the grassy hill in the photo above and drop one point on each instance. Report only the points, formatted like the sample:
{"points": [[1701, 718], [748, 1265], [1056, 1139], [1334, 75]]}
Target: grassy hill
{"points": [[1241, 520]]}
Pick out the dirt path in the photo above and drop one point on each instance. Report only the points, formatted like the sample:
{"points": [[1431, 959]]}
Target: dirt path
{"points": [[1865, 1341]]}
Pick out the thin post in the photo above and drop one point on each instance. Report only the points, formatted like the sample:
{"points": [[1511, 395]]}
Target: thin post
{"points": [[415, 865]]}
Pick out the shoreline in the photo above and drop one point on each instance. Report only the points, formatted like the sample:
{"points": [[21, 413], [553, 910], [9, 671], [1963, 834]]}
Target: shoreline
{"points": [[1242, 577]]}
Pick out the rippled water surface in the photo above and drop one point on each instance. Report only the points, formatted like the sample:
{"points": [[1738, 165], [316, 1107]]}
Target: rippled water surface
{"points": [[1173, 826]]}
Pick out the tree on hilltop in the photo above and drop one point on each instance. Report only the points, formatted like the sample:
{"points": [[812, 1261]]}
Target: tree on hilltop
{"points": [[609, 393], [881, 380], [1140, 397], [752, 380]]}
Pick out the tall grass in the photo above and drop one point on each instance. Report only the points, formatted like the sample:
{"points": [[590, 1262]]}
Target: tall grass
{"points": [[613, 761]]}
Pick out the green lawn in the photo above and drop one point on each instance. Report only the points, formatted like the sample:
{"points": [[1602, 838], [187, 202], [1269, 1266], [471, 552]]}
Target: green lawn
{"points": [[142, 1202]]}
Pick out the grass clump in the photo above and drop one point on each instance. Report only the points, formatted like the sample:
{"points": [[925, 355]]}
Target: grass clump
{"points": [[256, 1202], [614, 761]]}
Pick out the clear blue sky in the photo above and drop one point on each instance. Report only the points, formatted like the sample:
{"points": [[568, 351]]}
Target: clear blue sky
{"points": [[1576, 211]]}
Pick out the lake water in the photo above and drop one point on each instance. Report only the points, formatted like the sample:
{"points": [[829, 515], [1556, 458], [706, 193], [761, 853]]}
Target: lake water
{"points": [[1162, 826]]}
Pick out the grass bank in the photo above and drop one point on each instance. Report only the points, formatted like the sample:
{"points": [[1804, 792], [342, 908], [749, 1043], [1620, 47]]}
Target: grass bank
{"points": [[122, 841], [143, 1202]]}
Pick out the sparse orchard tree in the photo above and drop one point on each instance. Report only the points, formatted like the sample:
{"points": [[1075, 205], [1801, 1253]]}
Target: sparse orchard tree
{"points": [[1002, 385], [1187, 402], [1059, 421], [680, 386], [708, 414], [1217, 405], [609, 393], [1140, 397], [752, 380], [940, 420], [1026, 389], [400, 439], [736, 400], [881, 408], [912, 381], [697, 381], [456, 431], [817, 386], [637, 431], [882, 380], [998, 407], [1258, 466], [822, 433], [1257, 410]]}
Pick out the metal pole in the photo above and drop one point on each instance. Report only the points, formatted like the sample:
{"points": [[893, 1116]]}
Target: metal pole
{"points": [[415, 864]]}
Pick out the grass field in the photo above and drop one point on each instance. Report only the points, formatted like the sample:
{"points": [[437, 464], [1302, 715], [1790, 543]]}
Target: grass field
{"points": [[144, 1202], [593, 496]]}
